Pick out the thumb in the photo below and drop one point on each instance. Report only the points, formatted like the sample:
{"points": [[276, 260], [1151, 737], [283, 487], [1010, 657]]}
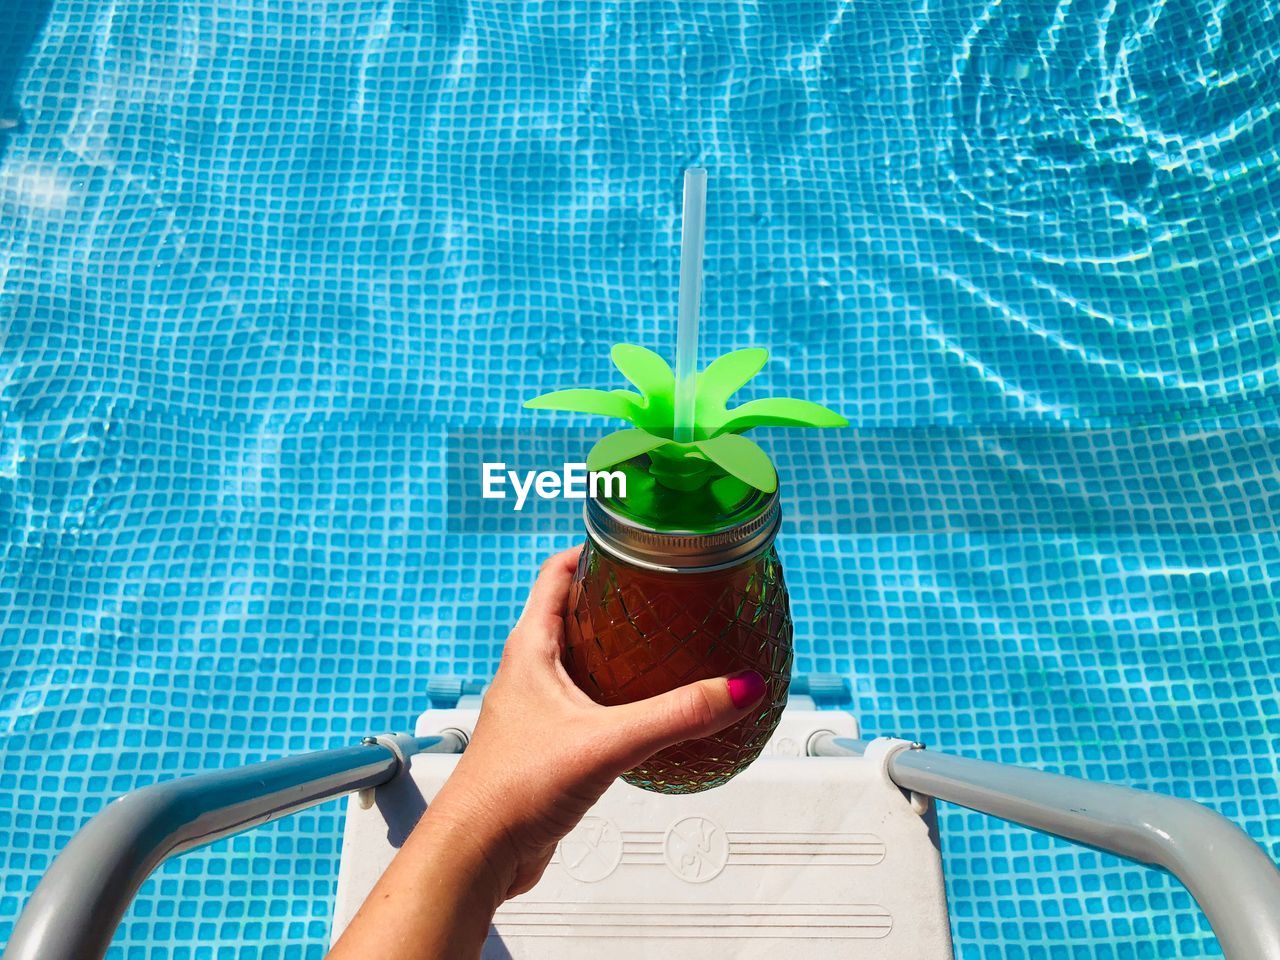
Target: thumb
{"points": [[695, 710]]}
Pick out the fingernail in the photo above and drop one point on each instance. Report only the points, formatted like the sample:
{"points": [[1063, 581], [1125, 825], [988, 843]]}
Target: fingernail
{"points": [[745, 688]]}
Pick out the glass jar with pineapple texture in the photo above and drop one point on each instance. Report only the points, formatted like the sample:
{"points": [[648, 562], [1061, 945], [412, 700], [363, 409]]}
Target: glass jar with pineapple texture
{"points": [[651, 609]]}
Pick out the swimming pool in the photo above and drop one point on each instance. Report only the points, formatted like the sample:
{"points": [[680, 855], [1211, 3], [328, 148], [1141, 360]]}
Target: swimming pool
{"points": [[269, 271]]}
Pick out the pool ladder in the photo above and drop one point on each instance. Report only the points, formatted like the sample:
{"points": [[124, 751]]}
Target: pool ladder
{"points": [[77, 906]]}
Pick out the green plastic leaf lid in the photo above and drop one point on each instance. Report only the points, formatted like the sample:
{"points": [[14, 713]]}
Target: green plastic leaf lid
{"points": [[696, 484], [687, 465]]}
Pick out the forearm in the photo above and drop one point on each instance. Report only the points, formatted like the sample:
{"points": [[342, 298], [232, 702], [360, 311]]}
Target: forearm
{"points": [[541, 755], [435, 901]]}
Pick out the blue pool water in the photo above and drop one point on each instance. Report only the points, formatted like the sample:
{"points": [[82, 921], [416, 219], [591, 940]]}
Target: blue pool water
{"points": [[268, 270]]}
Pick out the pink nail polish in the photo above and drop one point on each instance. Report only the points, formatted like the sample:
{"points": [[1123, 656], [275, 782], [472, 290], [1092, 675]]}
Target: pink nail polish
{"points": [[745, 688]]}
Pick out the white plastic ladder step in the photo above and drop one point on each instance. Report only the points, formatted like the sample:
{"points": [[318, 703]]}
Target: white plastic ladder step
{"points": [[798, 857]]}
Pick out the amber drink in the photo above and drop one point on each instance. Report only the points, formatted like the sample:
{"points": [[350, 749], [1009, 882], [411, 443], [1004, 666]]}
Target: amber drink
{"points": [[679, 580], [653, 609]]}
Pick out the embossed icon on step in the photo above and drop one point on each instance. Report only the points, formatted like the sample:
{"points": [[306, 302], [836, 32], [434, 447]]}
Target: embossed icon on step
{"points": [[696, 849], [592, 850], [787, 747]]}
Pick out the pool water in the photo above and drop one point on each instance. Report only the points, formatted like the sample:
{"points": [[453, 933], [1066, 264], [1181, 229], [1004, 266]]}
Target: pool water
{"points": [[269, 269]]}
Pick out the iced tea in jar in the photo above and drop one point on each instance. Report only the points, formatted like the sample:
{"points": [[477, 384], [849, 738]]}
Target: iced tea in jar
{"points": [[679, 580], [652, 609]]}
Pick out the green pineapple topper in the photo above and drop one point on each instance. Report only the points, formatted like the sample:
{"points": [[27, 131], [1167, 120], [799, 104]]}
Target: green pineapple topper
{"points": [[717, 457]]}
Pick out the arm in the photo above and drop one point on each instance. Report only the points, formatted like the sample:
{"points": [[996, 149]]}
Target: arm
{"points": [[542, 754]]}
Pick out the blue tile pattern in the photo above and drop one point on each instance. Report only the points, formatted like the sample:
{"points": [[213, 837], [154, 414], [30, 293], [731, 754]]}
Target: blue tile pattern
{"points": [[261, 263]]}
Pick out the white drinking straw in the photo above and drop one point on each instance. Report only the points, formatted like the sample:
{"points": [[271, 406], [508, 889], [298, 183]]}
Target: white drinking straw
{"points": [[692, 234]]}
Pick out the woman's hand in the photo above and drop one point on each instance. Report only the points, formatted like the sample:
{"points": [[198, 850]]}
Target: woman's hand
{"points": [[542, 754]]}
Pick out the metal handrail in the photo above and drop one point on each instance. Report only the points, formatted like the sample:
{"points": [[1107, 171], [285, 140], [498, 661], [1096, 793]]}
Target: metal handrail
{"points": [[1232, 879], [81, 900]]}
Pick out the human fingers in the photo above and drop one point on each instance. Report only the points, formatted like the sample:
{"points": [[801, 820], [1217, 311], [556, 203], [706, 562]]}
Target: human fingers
{"points": [[639, 730], [547, 596]]}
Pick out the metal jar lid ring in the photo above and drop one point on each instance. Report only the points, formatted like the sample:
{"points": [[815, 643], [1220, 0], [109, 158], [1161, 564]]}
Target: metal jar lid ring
{"points": [[683, 551]]}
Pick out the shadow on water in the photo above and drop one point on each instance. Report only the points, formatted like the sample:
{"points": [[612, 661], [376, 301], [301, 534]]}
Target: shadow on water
{"points": [[20, 24]]}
